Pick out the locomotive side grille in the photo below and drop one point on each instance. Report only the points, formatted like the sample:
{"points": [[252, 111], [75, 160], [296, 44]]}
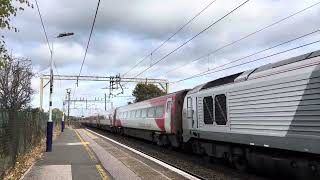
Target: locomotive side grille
{"points": [[284, 107], [200, 111]]}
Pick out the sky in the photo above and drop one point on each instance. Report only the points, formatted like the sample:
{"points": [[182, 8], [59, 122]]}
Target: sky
{"points": [[128, 30]]}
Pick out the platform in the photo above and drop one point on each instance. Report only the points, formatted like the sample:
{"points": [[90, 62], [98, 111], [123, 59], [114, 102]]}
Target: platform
{"points": [[70, 158], [81, 154]]}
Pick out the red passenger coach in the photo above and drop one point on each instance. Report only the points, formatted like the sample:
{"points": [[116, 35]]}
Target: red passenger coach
{"points": [[158, 119]]}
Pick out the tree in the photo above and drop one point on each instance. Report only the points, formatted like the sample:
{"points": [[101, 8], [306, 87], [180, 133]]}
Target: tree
{"points": [[3, 54], [9, 8], [56, 115], [146, 91], [15, 84]]}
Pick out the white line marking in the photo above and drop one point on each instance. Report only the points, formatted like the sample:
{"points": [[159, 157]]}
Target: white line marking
{"points": [[72, 144], [174, 169]]}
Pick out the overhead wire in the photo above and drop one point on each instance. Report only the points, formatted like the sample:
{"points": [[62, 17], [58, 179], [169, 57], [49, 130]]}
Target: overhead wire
{"points": [[245, 37], [247, 62], [170, 37], [189, 40], [37, 73], [47, 40], [88, 43], [43, 26], [87, 47]]}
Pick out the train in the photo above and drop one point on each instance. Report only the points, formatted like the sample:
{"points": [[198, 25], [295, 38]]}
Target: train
{"points": [[265, 117]]}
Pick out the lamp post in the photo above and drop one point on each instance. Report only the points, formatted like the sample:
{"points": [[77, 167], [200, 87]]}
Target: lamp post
{"points": [[50, 123], [62, 120], [68, 95]]}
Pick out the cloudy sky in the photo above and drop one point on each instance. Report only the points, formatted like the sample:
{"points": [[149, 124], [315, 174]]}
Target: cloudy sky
{"points": [[128, 30]]}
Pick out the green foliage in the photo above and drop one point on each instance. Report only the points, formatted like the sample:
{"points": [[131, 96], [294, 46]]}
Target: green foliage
{"points": [[1, 63], [9, 8], [3, 54], [56, 115], [146, 91]]}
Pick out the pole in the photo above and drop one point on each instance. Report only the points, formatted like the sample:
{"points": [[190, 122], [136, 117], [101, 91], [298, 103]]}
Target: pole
{"points": [[68, 119], [111, 105], [62, 120], [41, 93], [167, 88], [105, 101], [50, 123]]}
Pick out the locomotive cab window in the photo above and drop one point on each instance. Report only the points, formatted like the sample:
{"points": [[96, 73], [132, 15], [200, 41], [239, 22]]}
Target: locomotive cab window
{"points": [[220, 109], [208, 110]]}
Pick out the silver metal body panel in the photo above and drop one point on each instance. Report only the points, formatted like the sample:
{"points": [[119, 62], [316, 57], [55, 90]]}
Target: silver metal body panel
{"points": [[276, 107]]}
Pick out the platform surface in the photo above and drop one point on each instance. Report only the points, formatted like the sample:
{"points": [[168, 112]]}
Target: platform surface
{"points": [[80, 154], [69, 159], [126, 164]]}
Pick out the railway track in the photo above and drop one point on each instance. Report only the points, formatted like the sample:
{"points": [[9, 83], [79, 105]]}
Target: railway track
{"points": [[186, 165]]}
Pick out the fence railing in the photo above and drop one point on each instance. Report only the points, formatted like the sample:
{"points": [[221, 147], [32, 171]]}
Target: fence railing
{"points": [[19, 132]]}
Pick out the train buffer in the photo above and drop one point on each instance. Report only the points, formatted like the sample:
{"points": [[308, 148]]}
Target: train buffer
{"points": [[83, 154]]}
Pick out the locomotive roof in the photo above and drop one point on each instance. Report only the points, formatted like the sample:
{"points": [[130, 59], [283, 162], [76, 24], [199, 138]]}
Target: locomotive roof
{"points": [[160, 97], [242, 76]]}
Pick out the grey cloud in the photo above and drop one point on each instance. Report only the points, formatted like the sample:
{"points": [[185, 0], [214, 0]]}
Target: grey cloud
{"points": [[128, 30]]}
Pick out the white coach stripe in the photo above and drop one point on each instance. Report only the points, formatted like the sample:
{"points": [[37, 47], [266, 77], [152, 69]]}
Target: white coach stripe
{"points": [[174, 169]]}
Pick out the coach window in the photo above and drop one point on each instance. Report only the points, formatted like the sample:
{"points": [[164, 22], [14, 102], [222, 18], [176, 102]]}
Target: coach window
{"points": [[208, 110], [138, 113], [189, 107], [133, 113], [144, 113], [159, 111], [125, 115], [151, 112], [220, 109]]}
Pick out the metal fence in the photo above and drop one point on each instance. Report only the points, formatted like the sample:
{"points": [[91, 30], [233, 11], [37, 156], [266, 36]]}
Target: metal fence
{"points": [[19, 132]]}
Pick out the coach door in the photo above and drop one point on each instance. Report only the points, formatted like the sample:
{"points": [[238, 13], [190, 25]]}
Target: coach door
{"points": [[167, 121], [190, 113]]}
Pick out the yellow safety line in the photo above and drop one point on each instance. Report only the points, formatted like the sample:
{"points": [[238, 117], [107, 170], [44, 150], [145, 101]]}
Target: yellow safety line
{"points": [[85, 144], [102, 172]]}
